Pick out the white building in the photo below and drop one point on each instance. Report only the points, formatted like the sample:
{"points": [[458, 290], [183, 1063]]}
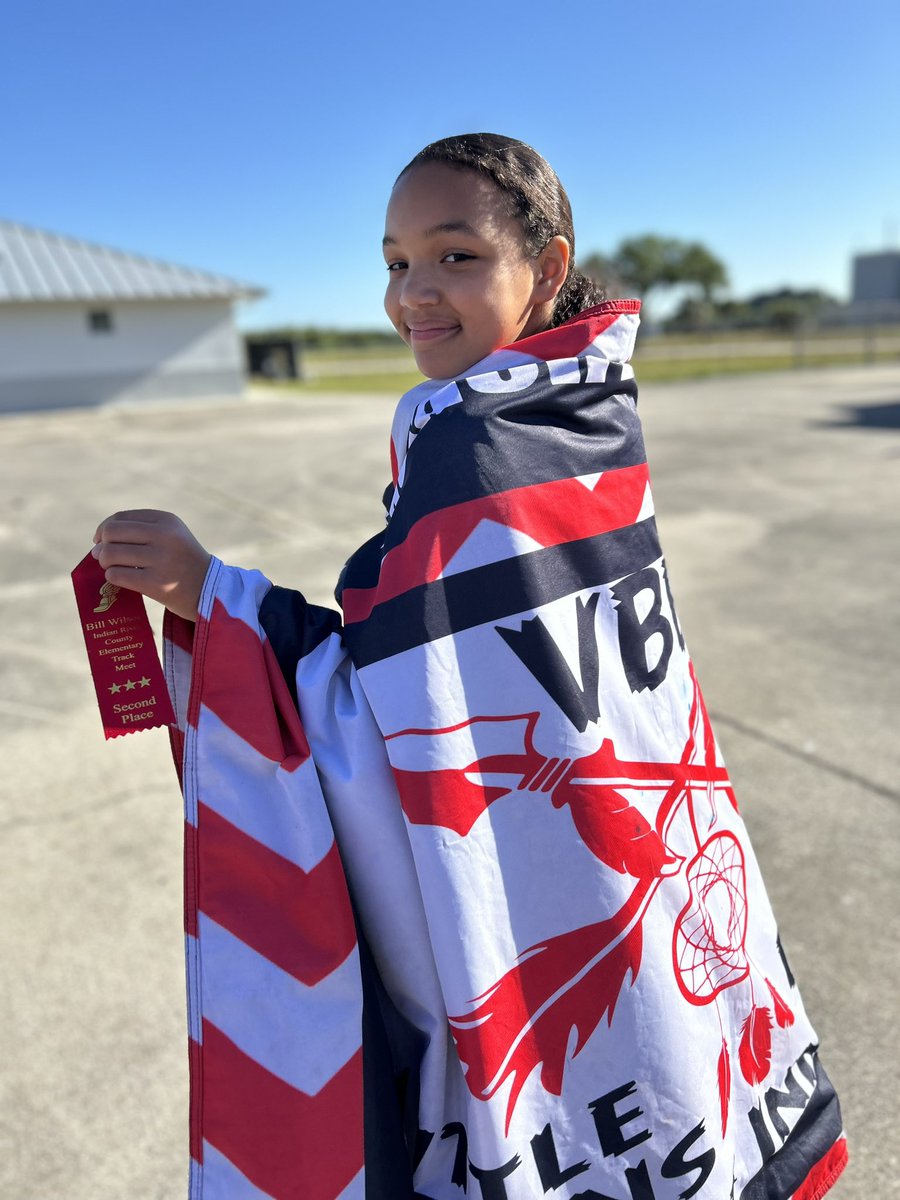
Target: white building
{"points": [[876, 277], [83, 324]]}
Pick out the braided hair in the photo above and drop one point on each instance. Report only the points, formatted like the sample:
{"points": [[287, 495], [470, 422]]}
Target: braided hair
{"points": [[535, 197]]}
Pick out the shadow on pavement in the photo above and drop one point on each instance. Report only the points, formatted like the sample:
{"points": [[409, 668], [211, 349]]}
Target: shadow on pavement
{"points": [[866, 416]]}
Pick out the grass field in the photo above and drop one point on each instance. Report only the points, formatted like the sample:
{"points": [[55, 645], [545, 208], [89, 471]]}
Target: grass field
{"points": [[659, 358]]}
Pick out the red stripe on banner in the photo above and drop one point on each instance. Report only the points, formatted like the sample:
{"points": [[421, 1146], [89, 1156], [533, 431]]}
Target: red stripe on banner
{"points": [[176, 745], [195, 1075], [179, 631], [571, 339], [198, 654], [299, 920], [824, 1174], [190, 879], [290, 1145], [563, 510], [395, 466], [232, 652]]}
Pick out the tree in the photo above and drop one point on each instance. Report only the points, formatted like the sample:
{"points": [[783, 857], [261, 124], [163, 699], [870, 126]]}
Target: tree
{"points": [[788, 310], [698, 265], [604, 271], [649, 262]]}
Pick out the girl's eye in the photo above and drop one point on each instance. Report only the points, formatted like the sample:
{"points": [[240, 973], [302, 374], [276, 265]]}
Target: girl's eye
{"points": [[458, 256], [396, 266]]}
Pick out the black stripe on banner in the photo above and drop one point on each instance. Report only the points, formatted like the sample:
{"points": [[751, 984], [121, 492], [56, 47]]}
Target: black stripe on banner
{"points": [[363, 567], [294, 629], [812, 1137], [492, 442], [498, 590]]}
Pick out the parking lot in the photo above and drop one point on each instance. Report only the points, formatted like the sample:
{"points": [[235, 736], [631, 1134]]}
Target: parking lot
{"points": [[777, 498]]}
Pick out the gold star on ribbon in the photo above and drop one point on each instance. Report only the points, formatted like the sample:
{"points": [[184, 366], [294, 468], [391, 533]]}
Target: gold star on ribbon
{"points": [[130, 685], [115, 687], [145, 682]]}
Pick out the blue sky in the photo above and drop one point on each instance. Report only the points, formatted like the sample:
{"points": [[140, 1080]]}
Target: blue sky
{"points": [[261, 139]]}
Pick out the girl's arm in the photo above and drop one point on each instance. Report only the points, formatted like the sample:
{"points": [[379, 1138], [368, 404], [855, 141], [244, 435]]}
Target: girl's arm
{"points": [[154, 553]]}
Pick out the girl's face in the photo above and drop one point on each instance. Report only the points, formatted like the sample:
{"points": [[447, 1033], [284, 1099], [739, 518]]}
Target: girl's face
{"points": [[460, 284]]}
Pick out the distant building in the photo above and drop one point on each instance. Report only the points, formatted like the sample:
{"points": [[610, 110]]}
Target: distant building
{"points": [[82, 324], [274, 357], [876, 286], [876, 276]]}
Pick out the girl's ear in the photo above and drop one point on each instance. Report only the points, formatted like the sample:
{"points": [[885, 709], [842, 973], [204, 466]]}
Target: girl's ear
{"points": [[553, 266]]}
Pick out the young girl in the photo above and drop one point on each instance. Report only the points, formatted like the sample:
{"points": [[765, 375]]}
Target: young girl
{"points": [[470, 907]]}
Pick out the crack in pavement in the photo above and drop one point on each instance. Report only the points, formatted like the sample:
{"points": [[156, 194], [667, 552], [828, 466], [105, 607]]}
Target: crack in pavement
{"points": [[806, 756]]}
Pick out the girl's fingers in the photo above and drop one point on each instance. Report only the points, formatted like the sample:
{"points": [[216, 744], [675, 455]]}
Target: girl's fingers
{"points": [[123, 554], [153, 552], [151, 516], [137, 533], [138, 521], [133, 578]]}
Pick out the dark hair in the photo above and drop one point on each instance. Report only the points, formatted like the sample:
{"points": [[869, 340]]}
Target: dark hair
{"points": [[536, 198]]}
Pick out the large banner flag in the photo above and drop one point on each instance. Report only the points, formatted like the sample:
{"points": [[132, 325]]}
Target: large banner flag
{"points": [[471, 910]]}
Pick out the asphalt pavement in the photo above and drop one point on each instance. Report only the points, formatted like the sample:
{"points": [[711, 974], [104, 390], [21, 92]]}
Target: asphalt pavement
{"points": [[777, 498]]}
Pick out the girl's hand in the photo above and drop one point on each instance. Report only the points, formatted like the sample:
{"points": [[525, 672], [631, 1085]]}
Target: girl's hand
{"points": [[153, 553]]}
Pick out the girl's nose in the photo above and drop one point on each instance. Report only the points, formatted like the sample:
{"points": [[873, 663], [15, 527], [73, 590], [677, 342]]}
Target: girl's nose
{"points": [[419, 288]]}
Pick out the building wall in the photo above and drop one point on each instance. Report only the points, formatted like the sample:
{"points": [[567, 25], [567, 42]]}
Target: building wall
{"points": [[50, 357], [876, 277]]}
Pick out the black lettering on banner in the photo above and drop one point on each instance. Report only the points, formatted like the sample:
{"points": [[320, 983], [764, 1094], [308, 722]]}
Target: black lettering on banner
{"points": [[518, 381], [415, 426], [793, 1097], [609, 1123], [761, 1132], [424, 1138], [680, 1163], [634, 634], [805, 1064], [491, 1179], [788, 971], [458, 1130], [638, 1180], [640, 1186], [547, 1160], [676, 1165], [675, 622], [535, 647]]}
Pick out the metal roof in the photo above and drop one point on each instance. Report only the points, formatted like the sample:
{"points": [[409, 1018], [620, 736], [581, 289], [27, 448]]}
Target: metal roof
{"points": [[37, 265]]}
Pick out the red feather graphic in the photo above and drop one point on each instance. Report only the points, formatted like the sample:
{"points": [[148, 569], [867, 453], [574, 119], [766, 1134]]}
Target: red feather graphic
{"points": [[612, 829], [724, 1083], [783, 1015], [755, 1053], [571, 981]]}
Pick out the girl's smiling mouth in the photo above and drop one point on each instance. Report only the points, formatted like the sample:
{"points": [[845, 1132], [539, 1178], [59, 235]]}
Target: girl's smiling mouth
{"points": [[430, 332]]}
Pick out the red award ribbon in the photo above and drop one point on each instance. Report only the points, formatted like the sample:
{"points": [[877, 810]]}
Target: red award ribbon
{"points": [[128, 676]]}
